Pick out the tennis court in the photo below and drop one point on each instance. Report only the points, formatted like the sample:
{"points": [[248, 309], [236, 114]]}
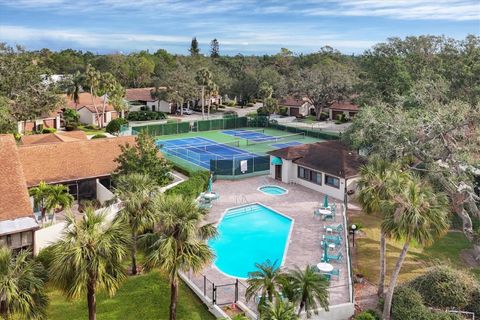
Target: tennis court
{"points": [[253, 135], [286, 144], [200, 150]]}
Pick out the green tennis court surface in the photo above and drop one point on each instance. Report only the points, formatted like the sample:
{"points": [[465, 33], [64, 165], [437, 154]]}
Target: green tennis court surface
{"points": [[258, 147]]}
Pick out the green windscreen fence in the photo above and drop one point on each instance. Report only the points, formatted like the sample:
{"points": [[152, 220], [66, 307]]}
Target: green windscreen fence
{"points": [[184, 127], [310, 133], [238, 167]]}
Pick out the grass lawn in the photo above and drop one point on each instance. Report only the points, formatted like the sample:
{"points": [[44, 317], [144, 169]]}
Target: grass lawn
{"points": [[445, 250], [142, 297], [91, 131]]}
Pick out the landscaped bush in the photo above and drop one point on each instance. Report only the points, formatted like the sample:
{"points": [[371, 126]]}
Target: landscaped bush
{"points": [[145, 115], [99, 136], [113, 127], [283, 111], [407, 304], [445, 287], [91, 127], [71, 126], [262, 111], [365, 316], [196, 184], [231, 103], [45, 257], [49, 130], [323, 116], [250, 104], [474, 305]]}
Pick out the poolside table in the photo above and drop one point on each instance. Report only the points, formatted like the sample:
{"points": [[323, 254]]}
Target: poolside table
{"points": [[325, 267], [324, 211]]}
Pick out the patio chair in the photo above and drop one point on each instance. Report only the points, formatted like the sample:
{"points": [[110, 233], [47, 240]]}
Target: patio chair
{"points": [[331, 245], [327, 275], [333, 228], [336, 257], [328, 216], [332, 239], [334, 272]]}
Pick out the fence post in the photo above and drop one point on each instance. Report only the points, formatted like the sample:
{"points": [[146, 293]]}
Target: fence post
{"points": [[236, 290]]}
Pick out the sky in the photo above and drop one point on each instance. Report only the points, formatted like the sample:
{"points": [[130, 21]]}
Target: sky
{"points": [[241, 26]]}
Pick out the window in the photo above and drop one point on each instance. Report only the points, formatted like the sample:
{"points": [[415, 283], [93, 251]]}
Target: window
{"points": [[332, 181], [310, 175]]}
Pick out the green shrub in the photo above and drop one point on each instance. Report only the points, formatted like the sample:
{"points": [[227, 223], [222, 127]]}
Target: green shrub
{"points": [[71, 126], [283, 111], [45, 257], [49, 130], [407, 304], [445, 287], [445, 316], [230, 114], [250, 104], [474, 304], [196, 184], [323, 116], [365, 316], [145, 115], [113, 127], [231, 103], [262, 111], [91, 127], [99, 136]]}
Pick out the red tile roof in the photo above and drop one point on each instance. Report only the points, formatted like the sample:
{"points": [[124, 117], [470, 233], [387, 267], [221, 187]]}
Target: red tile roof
{"points": [[85, 100], [292, 102], [53, 137], [331, 157], [14, 198], [74, 160], [344, 106], [141, 94]]}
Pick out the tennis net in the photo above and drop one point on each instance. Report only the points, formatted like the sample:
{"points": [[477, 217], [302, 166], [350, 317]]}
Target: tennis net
{"points": [[201, 146], [247, 132], [276, 139]]}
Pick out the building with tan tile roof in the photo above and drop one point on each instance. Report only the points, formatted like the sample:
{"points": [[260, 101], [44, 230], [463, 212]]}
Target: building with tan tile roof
{"points": [[70, 161], [16, 214], [53, 137]]}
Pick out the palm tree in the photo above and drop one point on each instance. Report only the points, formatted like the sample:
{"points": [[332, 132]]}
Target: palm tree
{"points": [[310, 289], [376, 186], [280, 310], [50, 198], [89, 257], [263, 281], [92, 79], [73, 87], [179, 242], [204, 79], [419, 214], [58, 198], [22, 292], [135, 190]]}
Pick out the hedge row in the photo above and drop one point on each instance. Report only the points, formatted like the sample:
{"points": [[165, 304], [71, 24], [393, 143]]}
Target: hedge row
{"points": [[196, 184]]}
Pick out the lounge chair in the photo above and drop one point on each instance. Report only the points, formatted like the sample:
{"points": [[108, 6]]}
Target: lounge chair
{"points": [[332, 239], [331, 245], [333, 228], [328, 217], [337, 257]]}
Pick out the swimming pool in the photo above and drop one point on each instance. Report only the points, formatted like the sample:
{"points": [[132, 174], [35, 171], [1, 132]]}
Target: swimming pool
{"points": [[273, 190], [247, 235]]}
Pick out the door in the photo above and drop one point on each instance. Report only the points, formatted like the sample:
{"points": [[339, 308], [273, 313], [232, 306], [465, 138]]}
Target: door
{"points": [[294, 111], [278, 172]]}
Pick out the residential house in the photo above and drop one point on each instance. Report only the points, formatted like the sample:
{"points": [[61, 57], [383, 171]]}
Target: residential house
{"points": [[84, 166], [86, 109], [328, 167], [297, 107], [347, 108], [50, 120], [17, 222], [143, 98]]}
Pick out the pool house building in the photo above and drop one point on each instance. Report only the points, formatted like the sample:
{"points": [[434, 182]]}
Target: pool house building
{"points": [[327, 167]]}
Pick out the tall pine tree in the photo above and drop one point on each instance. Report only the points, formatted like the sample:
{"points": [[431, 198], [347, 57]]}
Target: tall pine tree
{"points": [[214, 48], [194, 49]]}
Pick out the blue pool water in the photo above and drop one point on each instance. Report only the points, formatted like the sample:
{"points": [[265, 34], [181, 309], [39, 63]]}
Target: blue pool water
{"points": [[273, 190], [248, 235]]}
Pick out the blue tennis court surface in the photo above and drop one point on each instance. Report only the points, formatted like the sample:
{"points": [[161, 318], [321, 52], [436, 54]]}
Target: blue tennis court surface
{"points": [[251, 135], [201, 150], [286, 144]]}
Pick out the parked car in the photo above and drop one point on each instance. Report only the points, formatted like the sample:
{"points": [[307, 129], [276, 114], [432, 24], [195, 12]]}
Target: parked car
{"points": [[187, 111]]}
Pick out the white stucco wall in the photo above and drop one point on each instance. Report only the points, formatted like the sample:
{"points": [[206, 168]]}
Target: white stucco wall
{"points": [[86, 116], [103, 194], [289, 174]]}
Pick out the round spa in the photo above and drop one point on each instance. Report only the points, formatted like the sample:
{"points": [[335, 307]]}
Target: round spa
{"points": [[273, 190]]}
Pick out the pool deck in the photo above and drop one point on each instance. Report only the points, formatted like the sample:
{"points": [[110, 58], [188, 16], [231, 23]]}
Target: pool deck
{"points": [[304, 247]]}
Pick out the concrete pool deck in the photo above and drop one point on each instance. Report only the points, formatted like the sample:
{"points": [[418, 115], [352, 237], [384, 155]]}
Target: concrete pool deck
{"points": [[304, 247]]}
